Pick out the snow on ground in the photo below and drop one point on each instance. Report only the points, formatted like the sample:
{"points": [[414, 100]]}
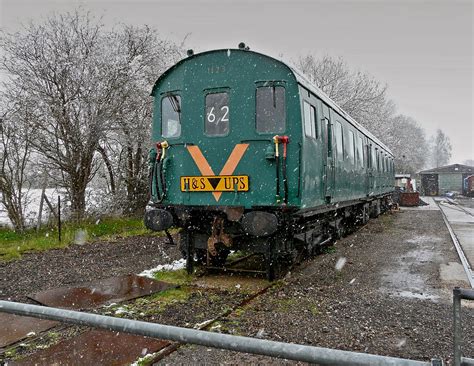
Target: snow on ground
{"points": [[174, 266]]}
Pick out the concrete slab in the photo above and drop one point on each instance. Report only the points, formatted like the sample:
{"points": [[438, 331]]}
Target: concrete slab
{"points": [[455, 213], [97, 293], [465, 234], [14, 328], [96, 347], [452, 272], [462, 224]]}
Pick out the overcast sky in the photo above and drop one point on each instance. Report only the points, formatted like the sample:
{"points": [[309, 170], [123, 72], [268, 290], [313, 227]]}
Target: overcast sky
{"points": [[423, 50]]}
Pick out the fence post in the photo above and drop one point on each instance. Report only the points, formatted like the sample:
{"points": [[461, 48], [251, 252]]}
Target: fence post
{"points": [[59, 218], [457, 325]]}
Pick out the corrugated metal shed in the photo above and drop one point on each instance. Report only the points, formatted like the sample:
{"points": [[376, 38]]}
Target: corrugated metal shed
{"points": [[449, 178]]}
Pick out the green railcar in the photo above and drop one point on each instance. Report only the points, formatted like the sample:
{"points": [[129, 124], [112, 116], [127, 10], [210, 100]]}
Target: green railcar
{"points": [[250, 155]]}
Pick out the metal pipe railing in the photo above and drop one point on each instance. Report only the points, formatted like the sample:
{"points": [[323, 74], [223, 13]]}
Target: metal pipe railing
{"points": [[297, 352], [458, 295]]}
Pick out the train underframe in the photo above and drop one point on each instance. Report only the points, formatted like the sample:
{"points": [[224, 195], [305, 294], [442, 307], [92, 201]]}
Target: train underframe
{"points": [[280, 236]]}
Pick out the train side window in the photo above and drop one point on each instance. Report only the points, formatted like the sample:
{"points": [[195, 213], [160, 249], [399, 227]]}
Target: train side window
{"points": [[270, 109], [339, 141], [171, 116], [360, 152], [309, 120], [350, 148], [314, 122], [368, 156], [378, 161], [217, 114], [374, 158]]}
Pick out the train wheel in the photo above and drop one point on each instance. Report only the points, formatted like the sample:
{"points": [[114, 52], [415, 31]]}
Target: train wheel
{"points": [[221, 257], [270, 269], [339, 230], [183, 240], [365, 214], [201, 255]]}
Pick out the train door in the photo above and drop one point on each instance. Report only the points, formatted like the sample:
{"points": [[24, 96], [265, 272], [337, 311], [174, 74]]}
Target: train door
{"points": [[329, 169], [370, 174]]}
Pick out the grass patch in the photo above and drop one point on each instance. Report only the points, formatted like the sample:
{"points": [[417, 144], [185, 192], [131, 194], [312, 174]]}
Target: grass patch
{"points": [[173, 295], [157, 303], [285, 305], [314, 310], [14, 244], [179, 277], [329, 249]]}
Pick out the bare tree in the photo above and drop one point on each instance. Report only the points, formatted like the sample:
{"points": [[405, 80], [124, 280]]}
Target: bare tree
{"points": [[68, 70], [15, 150], [440, 149], [364, 98], [358, 93], [144, 57], [407, 140]]}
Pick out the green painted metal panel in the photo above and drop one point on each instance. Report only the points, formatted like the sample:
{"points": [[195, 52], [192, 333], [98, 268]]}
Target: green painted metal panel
{"points": [[239, 73], [449, 182]]}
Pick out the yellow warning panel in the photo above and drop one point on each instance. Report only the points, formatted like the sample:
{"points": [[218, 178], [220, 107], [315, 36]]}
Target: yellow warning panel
{"points": [[216, 183]]}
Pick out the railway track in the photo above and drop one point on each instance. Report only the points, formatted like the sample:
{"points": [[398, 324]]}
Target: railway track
{"points": [[462, 256], [207, 325], [459, 207]]}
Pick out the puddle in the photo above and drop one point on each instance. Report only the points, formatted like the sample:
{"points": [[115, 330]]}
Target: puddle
{"points": [[96, 347], [422, 239], [14, 328], [407, 276], [95, 294], [417, 295]]}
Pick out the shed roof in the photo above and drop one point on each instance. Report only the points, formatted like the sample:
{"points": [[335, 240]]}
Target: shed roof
{"points": [[453, 168]]}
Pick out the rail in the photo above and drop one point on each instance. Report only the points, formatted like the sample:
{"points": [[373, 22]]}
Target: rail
{"points": [[459, 249], [458, 295], [297, 352]]}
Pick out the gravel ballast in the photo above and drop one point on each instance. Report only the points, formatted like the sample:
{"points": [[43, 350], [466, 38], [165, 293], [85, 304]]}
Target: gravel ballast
{"points": [[378, 291], [362, 307]]}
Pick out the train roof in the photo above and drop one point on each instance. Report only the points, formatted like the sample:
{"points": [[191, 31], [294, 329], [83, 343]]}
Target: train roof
{"points": [[300, 78]]}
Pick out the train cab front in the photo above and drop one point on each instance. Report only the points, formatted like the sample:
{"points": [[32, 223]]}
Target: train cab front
{"points": [[224, 167]]}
